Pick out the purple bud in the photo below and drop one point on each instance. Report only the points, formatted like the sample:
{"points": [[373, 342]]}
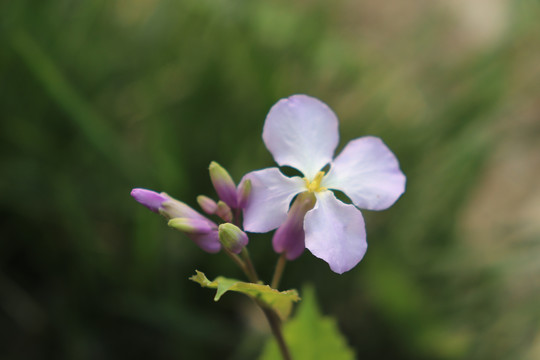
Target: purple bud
{"points": [[173, 208], [208, 242], [200, 230], [232, 238], [208, 205], [151, 199], [244, 190], [224, 184], [224, 211], [289, 237], [191, 226]]}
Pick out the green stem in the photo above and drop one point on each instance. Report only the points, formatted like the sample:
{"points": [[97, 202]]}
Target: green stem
{"points": [[251, 273], [237, 260], [278, 272], [271, 316], [275, 325]]}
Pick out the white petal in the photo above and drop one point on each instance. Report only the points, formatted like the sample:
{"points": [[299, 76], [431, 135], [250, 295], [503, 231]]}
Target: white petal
{"points": [[302, 132], [368, 173], [271, 195], [335, 232]]}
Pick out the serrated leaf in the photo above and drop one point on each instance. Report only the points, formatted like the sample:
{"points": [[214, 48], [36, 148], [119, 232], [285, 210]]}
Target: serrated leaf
{"points": [[280, 301], [310, 335]]}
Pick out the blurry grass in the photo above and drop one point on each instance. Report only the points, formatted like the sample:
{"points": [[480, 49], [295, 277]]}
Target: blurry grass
{"points": [[98, 97], [76, 108]]}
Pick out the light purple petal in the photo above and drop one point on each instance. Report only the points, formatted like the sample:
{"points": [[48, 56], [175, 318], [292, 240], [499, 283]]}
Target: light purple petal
{"points": [[368, 173], [335, 232], [302, 132], [271, 195]]}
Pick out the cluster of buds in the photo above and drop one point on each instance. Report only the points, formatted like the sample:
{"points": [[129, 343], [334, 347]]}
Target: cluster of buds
{"points": [[207, 234]]}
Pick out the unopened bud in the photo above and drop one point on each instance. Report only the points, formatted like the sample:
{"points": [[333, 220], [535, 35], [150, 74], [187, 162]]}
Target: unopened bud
{"points": [[289, 238], [224, 184], [224, 211], [191, 226], [173, 208], [232, 238], [151, 199], [208, 205], [244, 190]]}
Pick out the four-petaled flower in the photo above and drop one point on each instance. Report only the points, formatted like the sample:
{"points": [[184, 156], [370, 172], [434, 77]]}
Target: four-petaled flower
{"points": [[302, 132]]}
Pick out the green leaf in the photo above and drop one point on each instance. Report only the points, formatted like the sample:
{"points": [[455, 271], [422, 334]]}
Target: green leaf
{"points": [[280, 301], [310, 336]]}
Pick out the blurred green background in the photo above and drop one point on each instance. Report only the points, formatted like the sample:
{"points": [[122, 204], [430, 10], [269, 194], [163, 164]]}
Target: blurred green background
{"points": [[98, 97]]}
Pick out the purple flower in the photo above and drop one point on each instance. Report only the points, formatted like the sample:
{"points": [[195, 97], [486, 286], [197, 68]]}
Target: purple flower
{"points": [[302, 132]]}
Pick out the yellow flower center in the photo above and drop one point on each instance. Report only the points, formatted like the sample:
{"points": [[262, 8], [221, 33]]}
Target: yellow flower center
{"points": [[315, 184]]}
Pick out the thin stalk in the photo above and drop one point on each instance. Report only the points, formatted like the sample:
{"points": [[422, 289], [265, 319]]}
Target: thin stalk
{"points": [[273, 319], [278, 272], [237, 260], [251, 272], [275, 325]]}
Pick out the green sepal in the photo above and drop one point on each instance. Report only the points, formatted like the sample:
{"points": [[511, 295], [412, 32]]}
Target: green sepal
{"points": [[310, 335], [280, 301]]}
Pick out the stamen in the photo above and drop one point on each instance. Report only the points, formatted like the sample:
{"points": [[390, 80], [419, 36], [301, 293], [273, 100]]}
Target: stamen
{"points": [[315, 185]]}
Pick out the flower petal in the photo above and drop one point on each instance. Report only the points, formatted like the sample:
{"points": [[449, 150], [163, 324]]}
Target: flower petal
{"points": [[271, 195], [368, 173], [302, 132], [335, 232]]}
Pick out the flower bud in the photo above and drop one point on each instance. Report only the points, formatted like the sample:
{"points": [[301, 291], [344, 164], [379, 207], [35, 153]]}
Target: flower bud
{"points": [[208, 205], [232, 238], [224, 211], [198, 228], [202, 232], [173, 208], [224, 184], [244, 190], [191, 226], [290, 237], [151, 199]]}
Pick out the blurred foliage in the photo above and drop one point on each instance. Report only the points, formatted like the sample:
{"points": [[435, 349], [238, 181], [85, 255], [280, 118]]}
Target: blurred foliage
{"points": [[98, 97]]}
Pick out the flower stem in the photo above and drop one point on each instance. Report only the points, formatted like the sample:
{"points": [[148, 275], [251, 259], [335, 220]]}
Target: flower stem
{"points": [[250, 269], [275, 325], [237, 260], [271, 316], [278, 272]]}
